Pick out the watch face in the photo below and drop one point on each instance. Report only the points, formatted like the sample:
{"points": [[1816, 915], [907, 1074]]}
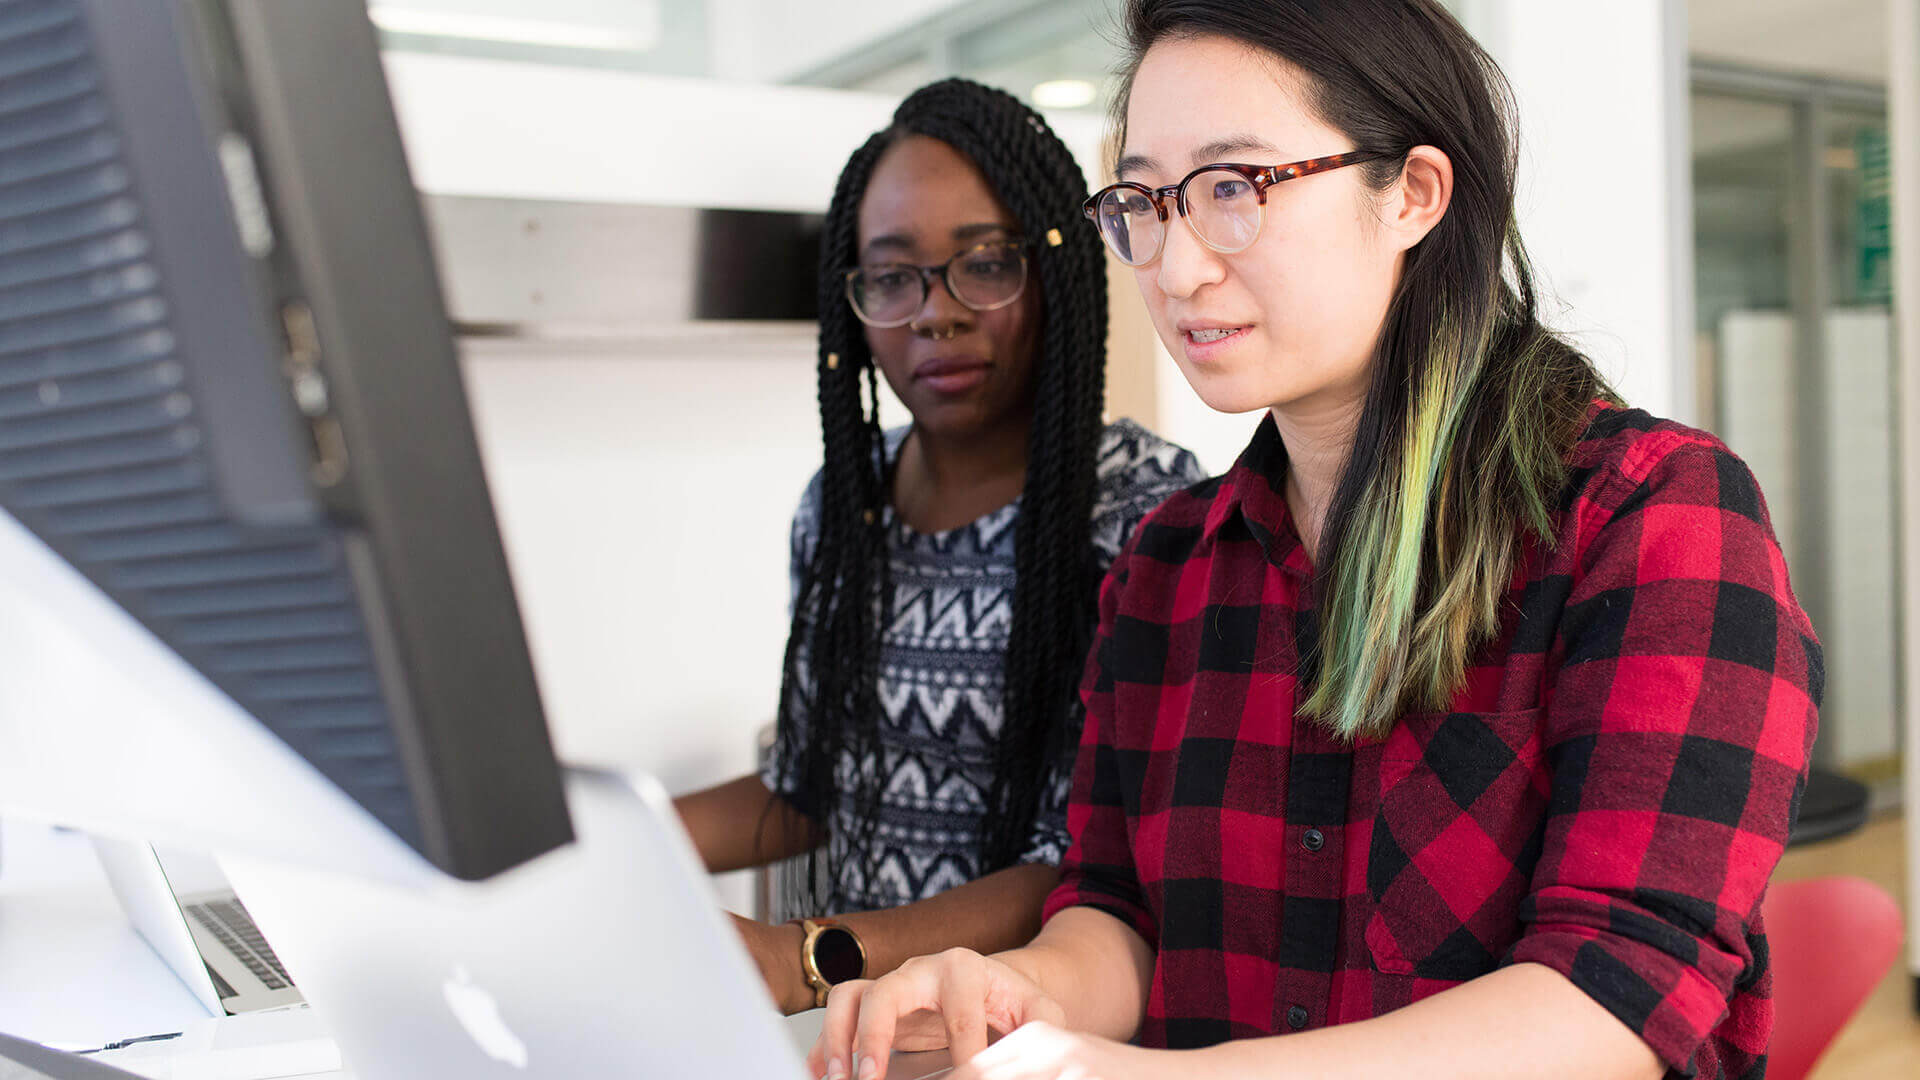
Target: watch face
{"points": [[837, 955]]}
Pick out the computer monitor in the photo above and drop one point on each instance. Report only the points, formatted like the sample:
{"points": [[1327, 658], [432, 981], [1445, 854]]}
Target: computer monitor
{"points": [[239, 487]]}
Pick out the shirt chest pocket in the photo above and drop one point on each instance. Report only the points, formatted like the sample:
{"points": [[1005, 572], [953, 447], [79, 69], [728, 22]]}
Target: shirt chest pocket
{"points": [[1456, 834]]}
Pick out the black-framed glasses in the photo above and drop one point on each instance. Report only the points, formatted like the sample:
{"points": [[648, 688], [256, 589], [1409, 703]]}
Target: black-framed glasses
{"points": [[1225, 211], [984, 277]]}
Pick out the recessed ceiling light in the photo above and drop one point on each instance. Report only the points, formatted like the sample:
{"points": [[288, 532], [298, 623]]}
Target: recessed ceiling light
{"points": [[450, 24], [1063, 94]]}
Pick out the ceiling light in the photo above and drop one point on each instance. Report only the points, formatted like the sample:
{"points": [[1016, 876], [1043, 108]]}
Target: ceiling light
{"points": [[449, 24], [1063, 94]]}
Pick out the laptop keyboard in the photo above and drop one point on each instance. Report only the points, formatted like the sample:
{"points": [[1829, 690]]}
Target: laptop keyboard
{"points": [[228, 921], [220, 986]]}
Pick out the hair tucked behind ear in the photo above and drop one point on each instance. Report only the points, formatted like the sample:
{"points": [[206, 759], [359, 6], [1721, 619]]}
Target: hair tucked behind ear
{"points": [[845, 592]]}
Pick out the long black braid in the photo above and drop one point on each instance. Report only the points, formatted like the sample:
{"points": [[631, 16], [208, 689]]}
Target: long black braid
{"points": [[845, 595]]}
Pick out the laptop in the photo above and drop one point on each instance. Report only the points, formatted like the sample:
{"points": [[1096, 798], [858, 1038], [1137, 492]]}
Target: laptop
{"points": [[187, 913], [607, 957]]}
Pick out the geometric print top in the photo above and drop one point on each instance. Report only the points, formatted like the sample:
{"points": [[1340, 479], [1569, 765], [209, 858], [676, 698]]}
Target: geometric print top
{"points": [[941, 679], [1606, 795]]}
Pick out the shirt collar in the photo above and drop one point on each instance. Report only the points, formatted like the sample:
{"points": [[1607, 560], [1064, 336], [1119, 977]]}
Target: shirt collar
{"points": [[1254, 491]]}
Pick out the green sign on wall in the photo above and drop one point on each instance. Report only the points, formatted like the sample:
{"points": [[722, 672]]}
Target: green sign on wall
{"points": [[1875, 217]]}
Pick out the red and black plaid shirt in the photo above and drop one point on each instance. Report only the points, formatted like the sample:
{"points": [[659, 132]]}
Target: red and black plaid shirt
{"points": [[1607, 796]]}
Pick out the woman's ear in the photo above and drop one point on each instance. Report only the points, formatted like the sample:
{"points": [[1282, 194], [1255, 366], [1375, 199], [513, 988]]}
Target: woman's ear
{"points": [[1418, 200]]}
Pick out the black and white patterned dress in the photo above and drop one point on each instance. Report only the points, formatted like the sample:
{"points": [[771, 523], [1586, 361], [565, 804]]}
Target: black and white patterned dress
{"points": [[941, 679]]}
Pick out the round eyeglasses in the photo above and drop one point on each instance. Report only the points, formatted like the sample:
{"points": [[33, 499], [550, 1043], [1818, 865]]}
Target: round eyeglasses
{"points": [[1224, 204], [984, 277]]}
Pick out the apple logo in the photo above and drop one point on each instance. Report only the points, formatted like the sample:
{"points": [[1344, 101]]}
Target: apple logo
{"points": [[479, 1013]]}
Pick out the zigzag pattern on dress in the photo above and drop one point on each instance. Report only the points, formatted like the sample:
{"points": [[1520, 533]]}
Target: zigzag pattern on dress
{"points": [[947, 610], [951, 715], [942, 676]]}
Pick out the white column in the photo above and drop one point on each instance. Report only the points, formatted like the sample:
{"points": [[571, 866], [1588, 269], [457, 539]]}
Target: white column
{"points": [[1605, 200], [1903, 102]]}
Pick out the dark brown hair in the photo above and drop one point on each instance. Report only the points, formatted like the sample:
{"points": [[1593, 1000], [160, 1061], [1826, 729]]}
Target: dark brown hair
{"points": [[1473, 405]]}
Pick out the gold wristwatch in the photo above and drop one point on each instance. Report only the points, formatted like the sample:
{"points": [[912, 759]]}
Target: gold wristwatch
{"points": [[830, 954]]}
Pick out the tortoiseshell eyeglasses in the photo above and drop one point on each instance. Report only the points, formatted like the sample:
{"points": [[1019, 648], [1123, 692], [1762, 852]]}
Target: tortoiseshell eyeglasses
{"points": [[1225, 212]]}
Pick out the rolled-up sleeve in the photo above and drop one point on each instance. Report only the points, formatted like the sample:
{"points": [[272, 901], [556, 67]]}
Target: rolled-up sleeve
{"points": [[1678, 730], [1098, 870]]}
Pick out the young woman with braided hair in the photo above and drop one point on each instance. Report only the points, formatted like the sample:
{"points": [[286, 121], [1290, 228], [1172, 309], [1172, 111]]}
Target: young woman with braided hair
{"points": [[1456, 730], [945, 573]]}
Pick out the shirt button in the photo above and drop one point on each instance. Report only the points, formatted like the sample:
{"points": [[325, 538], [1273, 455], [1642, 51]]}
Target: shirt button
{"points": [[1314, 840], [1297, 1017]]}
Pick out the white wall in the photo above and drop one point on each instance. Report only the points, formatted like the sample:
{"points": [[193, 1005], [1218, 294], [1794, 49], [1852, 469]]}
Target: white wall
{"points": [[644, 503], [531, 131], [1604, 178]]}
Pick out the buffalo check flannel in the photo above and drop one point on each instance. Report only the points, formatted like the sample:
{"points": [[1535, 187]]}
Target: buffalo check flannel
{"points": [[1607, 795]]}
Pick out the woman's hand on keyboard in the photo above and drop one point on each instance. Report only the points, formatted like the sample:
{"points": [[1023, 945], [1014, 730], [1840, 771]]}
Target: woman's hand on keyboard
{"points": [[951, 999], [1041, 1051], [959, 1000]]}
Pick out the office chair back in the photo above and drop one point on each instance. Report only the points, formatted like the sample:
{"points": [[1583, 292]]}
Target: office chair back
{"points": [[1832, 939]]}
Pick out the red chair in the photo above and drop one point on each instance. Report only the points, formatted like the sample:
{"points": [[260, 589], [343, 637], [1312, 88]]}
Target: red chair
{"points": [[1832, 939]]}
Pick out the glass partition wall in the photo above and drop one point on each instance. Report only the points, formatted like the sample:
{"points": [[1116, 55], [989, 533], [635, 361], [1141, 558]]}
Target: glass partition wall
{"points": [[1795, 358]]}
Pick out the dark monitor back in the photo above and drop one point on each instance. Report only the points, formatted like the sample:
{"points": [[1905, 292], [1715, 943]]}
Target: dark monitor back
{"points": [[230, 398]]}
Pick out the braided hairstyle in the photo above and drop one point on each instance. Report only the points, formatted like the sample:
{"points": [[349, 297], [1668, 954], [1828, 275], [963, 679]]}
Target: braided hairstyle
{"points": [[832, 660]]}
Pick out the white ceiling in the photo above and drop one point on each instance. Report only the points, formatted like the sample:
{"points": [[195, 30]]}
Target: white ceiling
{"points": [[1841, 39]]}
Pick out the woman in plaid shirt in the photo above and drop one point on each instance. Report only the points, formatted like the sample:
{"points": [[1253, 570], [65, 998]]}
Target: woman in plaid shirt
{"points": [[1457, 729]]}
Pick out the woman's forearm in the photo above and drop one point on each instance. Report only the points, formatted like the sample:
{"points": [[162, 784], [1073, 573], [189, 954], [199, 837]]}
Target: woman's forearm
{"points": [[740, 824], [989, 914], [1521, 1021], [1095, 966], [999, 911]]}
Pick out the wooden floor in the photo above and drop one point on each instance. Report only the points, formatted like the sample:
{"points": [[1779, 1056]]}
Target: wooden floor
{"points": [[1884, 1039]]}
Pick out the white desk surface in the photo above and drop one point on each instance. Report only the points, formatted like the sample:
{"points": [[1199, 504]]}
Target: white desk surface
{"points": [[74, 975]]}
